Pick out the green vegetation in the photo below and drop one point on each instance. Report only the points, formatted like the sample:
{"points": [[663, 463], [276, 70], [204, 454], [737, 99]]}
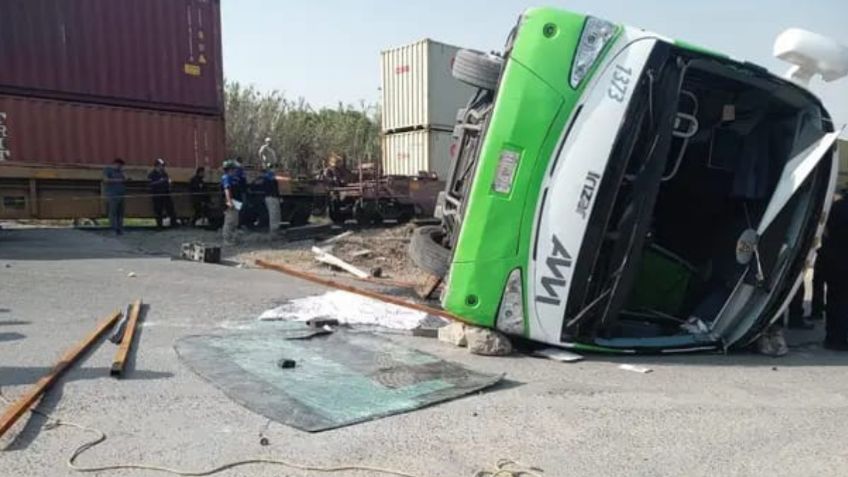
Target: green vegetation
{"points": [[302, 136]]}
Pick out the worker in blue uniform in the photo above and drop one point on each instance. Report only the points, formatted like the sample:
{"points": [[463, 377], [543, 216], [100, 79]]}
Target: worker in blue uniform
{"points": [[231, 204]]}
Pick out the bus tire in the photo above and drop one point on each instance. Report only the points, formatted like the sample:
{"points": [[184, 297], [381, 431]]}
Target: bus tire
{"points": [[477, 69], [427, 251]]}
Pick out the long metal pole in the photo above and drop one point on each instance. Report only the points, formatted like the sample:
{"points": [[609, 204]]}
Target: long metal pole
{"points": [[126, 341], [359, 291], [22, 405]]}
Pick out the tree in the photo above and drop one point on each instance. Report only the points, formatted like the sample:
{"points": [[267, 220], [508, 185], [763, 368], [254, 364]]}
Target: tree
{"points": [[302, 137]]}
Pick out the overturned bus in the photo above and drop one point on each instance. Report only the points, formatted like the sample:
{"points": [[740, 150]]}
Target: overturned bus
{"points": [[615, 190]]}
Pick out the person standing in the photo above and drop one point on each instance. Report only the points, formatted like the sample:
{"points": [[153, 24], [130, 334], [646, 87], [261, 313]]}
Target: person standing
{"points": [[797, 320], [819, 283], [267, 154], [268, 181], [240, 191], [238, 164], [231, 215], [199, 195], [160, 190], [796, 309], [834, 257], [115, 188], [335, 174]]}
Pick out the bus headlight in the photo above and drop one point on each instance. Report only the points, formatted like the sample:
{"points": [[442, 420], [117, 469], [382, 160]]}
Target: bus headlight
{"points": [[596, 34], [511, 312]]}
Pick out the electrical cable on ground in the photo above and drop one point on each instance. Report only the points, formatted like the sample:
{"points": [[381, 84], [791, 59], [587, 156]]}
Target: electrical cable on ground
{"points": [[101, 437], [503, 468], [510, 468]]}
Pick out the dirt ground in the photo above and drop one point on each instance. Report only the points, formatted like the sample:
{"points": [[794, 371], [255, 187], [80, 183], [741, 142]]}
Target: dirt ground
{"points": [[369, 248]]}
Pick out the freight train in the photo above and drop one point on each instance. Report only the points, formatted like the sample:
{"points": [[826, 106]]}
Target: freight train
{"points": [[83, 83]]}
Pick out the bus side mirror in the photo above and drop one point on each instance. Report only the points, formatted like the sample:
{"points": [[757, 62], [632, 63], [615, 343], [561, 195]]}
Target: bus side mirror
{"points": [[811, 54]]}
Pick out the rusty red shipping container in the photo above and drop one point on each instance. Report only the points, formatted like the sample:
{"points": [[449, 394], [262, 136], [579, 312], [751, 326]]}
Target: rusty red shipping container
{"points": [[157, 54], [57, 134]]}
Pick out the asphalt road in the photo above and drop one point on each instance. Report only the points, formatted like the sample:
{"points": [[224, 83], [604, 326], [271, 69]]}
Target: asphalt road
{"points": [[693, 415]]}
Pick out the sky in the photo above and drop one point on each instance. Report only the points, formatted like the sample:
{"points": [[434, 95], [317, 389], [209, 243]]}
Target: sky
{"points": [[327, 51]]}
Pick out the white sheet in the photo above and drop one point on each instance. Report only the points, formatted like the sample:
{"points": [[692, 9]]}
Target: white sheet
{"points": [[352, 309]]}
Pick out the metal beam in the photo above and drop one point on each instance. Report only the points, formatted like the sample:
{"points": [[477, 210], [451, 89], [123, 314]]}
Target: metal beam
{"points": [[25, 402], [20, 170], [126, 341]]}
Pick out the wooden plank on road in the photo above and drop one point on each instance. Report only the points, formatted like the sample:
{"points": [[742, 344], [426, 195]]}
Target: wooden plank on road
{"points": [[25, 402], [126, 342], [330, 259]]}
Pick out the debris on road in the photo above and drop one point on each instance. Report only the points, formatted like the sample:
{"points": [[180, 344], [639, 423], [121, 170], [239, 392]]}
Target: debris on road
{"points": [[131, 275], [350, 309], [286, 363], [636, 368], [118, 330], [310, 333], [425, 289], [482, 341], [201, 252], [388, 246], [341, 379], [126, 340], [454, 334], [509, 468], [557, 354], [325, 257], [487, 342], [306, 232], [426, 332], [22, 405], [361, 253], [322, 322], [336, 238], [428, 310]]}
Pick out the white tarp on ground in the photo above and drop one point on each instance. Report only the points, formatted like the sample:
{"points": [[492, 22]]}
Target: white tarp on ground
{"points": [[352, 309]]}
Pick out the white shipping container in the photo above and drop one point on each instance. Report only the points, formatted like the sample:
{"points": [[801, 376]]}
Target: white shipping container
{"points": [[426, 150], [418, 88]]}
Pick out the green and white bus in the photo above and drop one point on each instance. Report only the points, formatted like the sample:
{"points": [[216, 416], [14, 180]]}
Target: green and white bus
{"points": [[616, 190]]}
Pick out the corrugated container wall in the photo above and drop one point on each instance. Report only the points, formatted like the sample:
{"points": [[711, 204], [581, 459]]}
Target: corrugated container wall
{"points": [[60, 133], [418, 88], [159, 54], [408, 153]]}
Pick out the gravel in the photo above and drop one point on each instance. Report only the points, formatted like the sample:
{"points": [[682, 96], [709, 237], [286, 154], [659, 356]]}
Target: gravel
{"points": [[387, 247]]}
